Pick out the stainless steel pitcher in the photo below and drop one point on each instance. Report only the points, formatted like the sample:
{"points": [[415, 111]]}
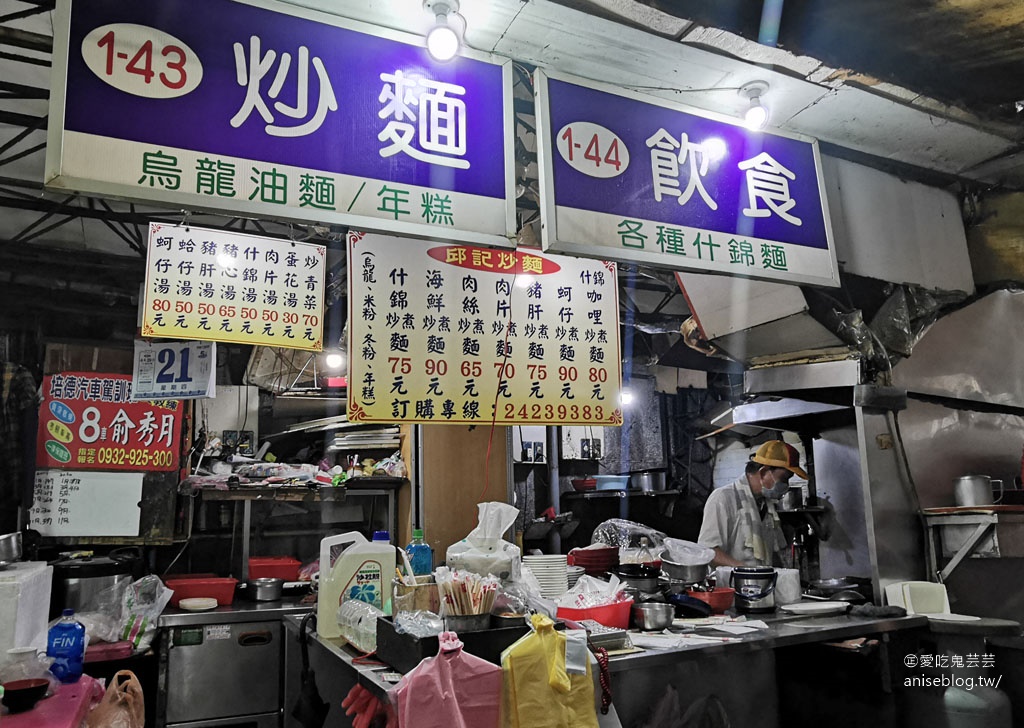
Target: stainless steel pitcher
{"points": [[975, 490]]}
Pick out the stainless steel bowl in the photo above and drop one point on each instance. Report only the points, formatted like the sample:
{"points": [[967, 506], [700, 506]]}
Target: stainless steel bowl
{"points": [[10, 546], [684, 572], [265, 590], [653, 615]]}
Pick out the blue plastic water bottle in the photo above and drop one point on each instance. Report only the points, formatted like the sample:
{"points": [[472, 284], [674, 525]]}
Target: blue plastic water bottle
{"points": [[421, 556], [65, 643]]}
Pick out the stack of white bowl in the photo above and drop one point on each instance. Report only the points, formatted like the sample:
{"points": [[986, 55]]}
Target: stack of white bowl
{"points": [[550, 571], [574, 573]]}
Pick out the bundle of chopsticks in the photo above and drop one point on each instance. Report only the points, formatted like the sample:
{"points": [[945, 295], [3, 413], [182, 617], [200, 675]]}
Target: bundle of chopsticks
{"points": [[463, 592]]}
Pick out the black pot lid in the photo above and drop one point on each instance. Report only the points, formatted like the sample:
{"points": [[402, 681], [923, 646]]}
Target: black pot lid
{"points": [[84, 567], [753, 570]]}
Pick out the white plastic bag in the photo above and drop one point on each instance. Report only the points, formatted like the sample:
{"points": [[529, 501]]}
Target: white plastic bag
{"points": [[144, 600], [688, 553]]}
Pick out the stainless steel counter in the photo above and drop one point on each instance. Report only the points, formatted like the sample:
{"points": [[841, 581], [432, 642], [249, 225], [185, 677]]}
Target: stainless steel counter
{"points": [[783, 631], [741, 672], [239, 611]]}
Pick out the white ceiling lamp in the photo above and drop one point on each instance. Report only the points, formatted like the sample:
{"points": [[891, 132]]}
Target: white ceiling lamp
{"points": [[756, 115], [334, 361], [443, 39]]}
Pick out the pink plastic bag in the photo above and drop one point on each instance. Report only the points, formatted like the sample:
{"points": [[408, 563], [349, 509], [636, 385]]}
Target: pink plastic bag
{"points": [[451, 690]]}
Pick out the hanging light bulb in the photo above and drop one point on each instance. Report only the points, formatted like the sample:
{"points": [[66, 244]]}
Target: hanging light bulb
{"points": [[756, 115], [334, 361], [443, 40]]}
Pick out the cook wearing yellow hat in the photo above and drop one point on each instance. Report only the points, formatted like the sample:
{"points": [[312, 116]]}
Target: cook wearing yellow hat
{"points": [[740, 522]]}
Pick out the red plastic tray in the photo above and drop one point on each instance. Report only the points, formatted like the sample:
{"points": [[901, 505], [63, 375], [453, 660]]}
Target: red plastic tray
{"points": [[274, 567], [220, 588], [610, 615]]}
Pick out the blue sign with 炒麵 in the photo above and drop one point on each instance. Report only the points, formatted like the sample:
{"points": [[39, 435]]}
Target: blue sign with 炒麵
{"points": [[296, 114], [637, 178]]}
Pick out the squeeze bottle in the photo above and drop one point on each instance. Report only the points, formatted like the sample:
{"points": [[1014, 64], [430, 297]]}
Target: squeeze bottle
{"points": [[363, 571]]}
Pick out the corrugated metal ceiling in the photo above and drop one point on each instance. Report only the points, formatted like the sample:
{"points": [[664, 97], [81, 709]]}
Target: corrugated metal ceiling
{"points": [[969, 53]]}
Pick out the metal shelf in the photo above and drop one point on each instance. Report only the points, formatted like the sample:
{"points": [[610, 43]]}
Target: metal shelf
{"points": [[587, 495], [358, 487]]}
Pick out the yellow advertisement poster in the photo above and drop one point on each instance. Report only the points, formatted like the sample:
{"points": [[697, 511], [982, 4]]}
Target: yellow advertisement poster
{"points": [[466, 335], [214, 285]]}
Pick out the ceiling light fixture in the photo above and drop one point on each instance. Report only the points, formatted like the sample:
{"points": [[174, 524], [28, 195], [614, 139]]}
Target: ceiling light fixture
{"points": [[756, 115], [443, 41]]}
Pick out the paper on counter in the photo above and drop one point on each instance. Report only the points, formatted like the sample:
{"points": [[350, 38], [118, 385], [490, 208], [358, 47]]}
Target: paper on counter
{"points": [[752, 625], [667, 640]]}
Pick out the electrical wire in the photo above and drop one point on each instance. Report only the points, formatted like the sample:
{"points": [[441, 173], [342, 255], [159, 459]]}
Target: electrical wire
{"points": [[497, 388]]}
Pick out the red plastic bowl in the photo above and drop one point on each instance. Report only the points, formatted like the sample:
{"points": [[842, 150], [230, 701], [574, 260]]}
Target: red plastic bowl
{"points": [[719, 600], [582, 484]]}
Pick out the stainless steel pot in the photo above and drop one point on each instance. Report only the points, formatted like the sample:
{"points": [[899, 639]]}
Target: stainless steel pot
{"points": [[648, 481], [10, 546], [267, 589], [975, 490], [688, 573]]}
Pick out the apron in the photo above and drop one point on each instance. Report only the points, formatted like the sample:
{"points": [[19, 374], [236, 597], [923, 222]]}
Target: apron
{"points": [[764, 539]]}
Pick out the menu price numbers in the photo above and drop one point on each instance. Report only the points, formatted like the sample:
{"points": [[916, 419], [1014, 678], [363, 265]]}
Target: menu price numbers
{"points": [[592, 149], [565, 412], [247, 313], [142, 61]]}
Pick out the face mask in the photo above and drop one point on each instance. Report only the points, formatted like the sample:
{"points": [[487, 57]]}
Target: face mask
{"points": [[777, 490]]}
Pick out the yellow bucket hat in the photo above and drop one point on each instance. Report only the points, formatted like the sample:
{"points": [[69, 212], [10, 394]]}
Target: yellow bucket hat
{"points": [[778, 454]]}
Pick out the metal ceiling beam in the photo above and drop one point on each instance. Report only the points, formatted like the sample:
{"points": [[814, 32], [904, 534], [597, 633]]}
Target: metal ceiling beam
{"points": [[25, 39]]}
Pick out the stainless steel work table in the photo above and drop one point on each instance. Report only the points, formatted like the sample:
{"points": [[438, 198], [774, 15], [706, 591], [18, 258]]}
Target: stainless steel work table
{"points": [[741, 672]]}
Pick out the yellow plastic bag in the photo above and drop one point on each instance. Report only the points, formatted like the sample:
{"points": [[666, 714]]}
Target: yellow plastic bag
{"points": [[538, 692], [122, 706]]}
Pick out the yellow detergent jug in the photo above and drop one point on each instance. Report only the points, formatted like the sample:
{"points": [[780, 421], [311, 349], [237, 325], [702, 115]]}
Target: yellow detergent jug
{"points": [[362, 571]]}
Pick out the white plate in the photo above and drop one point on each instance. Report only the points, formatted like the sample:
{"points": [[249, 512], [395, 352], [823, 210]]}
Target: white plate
{"points": [[948, 617], [198, 604], [815, 607]]}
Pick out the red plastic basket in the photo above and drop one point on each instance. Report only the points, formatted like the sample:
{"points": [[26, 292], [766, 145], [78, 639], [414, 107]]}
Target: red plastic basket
{"points": [[220, 588], [610, 615], [274, 567]]}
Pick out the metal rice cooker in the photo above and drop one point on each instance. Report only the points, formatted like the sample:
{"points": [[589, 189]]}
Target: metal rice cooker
{"points": [[755, 588], [79, 577]]}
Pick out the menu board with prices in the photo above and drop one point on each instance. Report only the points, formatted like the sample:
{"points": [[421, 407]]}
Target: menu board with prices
{"points": [[466, 335], [213, 285], [78, 503], [88, 421]]}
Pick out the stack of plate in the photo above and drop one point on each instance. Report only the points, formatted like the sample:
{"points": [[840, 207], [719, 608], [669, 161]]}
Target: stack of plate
{"points": [[574, 573], [550, 572]]}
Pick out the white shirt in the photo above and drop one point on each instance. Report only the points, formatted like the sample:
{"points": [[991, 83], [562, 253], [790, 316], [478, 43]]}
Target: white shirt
{"points": [[726, 527]]}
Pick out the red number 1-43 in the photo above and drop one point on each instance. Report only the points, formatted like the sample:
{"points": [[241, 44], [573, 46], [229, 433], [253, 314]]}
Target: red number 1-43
{"points": [[141, 63]]}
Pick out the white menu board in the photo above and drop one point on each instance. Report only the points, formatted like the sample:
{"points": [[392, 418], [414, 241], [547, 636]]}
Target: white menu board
{"points": [[86, 503], [465, 335]]}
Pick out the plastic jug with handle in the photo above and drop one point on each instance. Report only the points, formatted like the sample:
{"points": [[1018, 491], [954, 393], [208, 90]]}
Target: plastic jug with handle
{"points": [[362, 571]]}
